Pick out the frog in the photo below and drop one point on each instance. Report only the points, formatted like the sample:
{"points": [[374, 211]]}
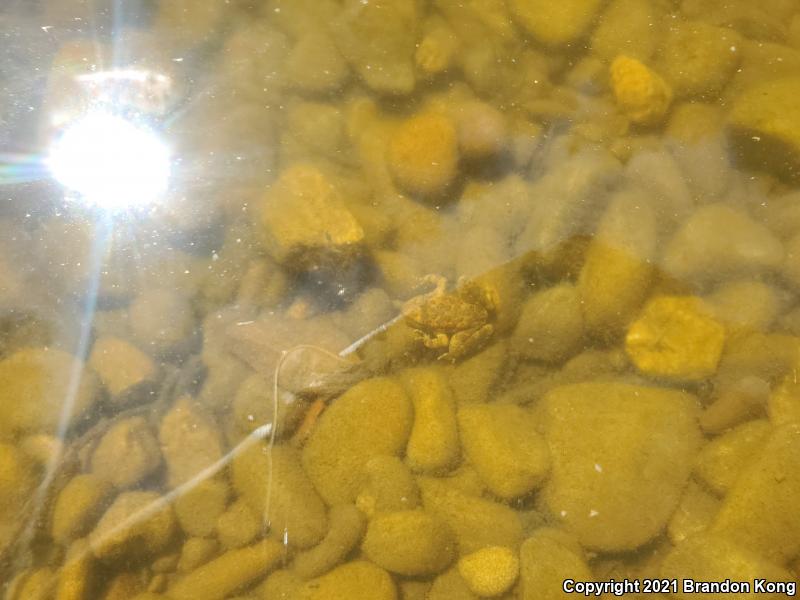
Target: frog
{"points": [[458, 322]]}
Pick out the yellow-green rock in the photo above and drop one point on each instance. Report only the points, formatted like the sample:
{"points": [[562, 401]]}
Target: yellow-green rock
{"points": [[676, 337], [769, 487], [765, 125], [502, 443], [347, 527], [305, 221], [232, 571], [137, 524], [555, 23], [714, 558], [723, 459], [390, 486], [489, 571], [372, 418], [357, 580], [273, 484], [411, 543], [547, 558], [621, 456], [433, 445], [190, 440], [378, 39], [551, 325], [77, 505], [616, 275], [238, 526], [32, 386], [199, 507], [127, 453], [629, 27], [476, 522], [698, 59], [694, 514]]}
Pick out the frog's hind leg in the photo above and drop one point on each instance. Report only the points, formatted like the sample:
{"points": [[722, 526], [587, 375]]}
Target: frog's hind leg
{"points": [[440, 340], [466, 342]]}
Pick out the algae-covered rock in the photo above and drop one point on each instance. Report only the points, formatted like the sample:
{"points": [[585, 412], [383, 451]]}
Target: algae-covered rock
{"points": [[641, 94], [271, 479], [315, 65], [120, 365], [372, 418], [629, 27], [253, 408], [676, 337], [489, 571], [127, 453], [765, 126], [547, 558], [357, 580], [199, 507], [137, 524], [473, 379], [713, 558], [305, 222], [77, 506], [723, 459], [318, 128], [16, 477], [17, 481], [423, 155], [233, 571], [502, 444], [476, 522], [694, 514], [482, 130], [190, 441], [410, 543], [621, 456], [450, 585], [160, 319], [697, 59], [770, 488], [551, 325], [32, 386], [555, 23], [718, 242], [389, 486], [378, 39], [747, 304], [77, 577], [436, 51], [196, 551], [238, 526], [617, 272], [32, 584], [433, 444], [347, 527]]}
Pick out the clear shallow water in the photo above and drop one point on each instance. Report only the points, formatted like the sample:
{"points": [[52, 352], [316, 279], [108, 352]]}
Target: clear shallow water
{"points": [[555, 245]]}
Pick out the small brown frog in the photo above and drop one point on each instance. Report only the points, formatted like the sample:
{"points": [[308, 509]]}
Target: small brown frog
{"points": [[459, 322]]}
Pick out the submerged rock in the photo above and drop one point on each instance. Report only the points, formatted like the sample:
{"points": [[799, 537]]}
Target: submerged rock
{"points": [[765, 126], [621, 457], [555, 23]]}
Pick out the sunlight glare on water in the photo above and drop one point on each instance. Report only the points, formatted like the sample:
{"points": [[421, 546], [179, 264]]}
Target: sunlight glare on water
{"points": [[111, 162]]}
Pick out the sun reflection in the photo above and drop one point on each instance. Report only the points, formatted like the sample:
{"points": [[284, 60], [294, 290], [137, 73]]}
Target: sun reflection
{"points": [[111, 162]]}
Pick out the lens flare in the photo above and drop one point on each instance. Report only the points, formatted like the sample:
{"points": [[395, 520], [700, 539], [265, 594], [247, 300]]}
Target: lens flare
{"points": [[111, 162]]}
